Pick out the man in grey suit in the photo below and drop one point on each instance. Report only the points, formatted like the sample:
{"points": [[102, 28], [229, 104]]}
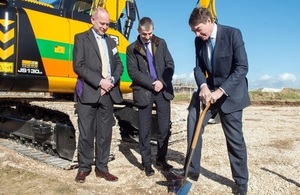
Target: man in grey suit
{"points": [[97, 63], [151, 68], [220, 74]]}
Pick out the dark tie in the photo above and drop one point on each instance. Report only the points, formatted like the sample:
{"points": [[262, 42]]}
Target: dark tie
{"points": [[150, 63], [212, 42]]}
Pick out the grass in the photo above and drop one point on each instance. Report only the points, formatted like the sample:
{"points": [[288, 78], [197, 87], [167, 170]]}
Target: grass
{"points": [[286, 94], [183, 96]]}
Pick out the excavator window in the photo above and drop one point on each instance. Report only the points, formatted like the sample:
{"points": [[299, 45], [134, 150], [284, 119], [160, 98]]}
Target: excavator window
{"points": [[83, 6]]}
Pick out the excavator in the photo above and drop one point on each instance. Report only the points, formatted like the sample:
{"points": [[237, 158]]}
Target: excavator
{"points": [[36, 45], [36, 48]]}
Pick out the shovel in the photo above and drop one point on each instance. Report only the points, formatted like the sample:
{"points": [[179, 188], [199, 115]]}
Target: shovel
{"points": [[184, 185]]}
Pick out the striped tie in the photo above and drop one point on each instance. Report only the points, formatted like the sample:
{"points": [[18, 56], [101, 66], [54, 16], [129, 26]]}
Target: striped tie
{"points": [[103, 53]]}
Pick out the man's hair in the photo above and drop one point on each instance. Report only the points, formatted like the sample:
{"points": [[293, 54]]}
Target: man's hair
{"points": [[98, 9], [145, 23], [199, 15]]}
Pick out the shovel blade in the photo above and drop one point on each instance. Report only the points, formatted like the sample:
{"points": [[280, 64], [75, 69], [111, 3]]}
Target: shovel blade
{"points": [[184, 190]]}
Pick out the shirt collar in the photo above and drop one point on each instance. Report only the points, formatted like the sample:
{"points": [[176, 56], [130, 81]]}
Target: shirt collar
{"points": [[97, 35], [214, 32]]}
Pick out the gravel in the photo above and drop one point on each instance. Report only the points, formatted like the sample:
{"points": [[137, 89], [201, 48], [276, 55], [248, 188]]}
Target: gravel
{"points": [[273, 142]]}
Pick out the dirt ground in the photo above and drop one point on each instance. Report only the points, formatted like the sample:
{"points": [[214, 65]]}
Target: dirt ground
{"points": [[273, 141]]}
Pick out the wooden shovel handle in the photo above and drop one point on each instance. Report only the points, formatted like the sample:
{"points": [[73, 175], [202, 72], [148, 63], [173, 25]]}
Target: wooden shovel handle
{"points": [[199, 124]]}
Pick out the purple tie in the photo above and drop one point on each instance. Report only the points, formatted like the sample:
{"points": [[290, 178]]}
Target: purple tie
{"points": [[150, 63]]}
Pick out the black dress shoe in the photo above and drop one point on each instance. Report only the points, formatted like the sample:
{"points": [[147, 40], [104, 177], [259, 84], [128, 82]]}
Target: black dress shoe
{"points": [[241, 189], [163, 165], [177, 172], [81, 175], [180, 173], [148, 170]]}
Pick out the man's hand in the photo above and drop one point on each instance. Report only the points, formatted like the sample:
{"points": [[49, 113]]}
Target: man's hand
{"points": [[208, 96], [157, 85], [102, 92], [216, 95], [106, 85]]}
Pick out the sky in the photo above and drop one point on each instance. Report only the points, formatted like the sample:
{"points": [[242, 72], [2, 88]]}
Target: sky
{"points": [[266, 26]]}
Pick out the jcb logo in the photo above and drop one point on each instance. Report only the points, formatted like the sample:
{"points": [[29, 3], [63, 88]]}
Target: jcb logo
{"points": [[115, 38], [7, 33]]}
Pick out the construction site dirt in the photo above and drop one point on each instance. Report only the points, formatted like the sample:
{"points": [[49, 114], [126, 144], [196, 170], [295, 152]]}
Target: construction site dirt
{"points": [[272, 135]]}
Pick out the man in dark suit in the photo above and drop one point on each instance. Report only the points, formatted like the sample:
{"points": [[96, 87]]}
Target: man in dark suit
{"points": [[97, 63], [220, 74], [151, 68]]}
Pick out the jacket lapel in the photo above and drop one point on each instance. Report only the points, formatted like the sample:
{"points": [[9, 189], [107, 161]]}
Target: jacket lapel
{"points": [[218, 46], [94, 43], [139, 47], [205, 56]]}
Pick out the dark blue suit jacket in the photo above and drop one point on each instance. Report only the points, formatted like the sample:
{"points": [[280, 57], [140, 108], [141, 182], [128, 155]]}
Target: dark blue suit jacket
{"points": [[230, 68], [88, 66]]}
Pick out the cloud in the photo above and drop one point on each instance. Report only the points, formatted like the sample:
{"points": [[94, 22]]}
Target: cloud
{"points": [[184, 76], [266, 77], [287, 80], [287, 77], [284, 80]]}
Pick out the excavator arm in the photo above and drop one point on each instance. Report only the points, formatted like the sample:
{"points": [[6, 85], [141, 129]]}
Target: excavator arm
{"points": [[210, 5]]}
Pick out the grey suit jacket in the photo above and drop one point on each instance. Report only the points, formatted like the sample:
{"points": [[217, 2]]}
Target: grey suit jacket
{"points": [[137, 65], [87, 65], [230, 68]]}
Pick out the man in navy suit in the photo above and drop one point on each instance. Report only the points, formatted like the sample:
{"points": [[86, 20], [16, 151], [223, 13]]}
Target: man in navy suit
{"points": [[220, 74], [151, 68], [97, 63]]}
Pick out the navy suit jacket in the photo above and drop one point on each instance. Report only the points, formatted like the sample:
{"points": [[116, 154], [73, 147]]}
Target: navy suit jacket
{"points": [[87, 65], [230, 68]]}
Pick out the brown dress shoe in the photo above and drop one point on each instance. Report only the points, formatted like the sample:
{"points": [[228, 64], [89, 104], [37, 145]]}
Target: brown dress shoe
{"points": [[106, 175], [80, 177]]}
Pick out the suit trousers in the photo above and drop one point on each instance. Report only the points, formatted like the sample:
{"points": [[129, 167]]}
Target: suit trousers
{"points": [[95, 121], [232, 128], [145, 128]]}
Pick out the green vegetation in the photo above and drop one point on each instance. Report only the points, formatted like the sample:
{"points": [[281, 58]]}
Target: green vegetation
{"points": [[183, 96], [286, 94]]}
